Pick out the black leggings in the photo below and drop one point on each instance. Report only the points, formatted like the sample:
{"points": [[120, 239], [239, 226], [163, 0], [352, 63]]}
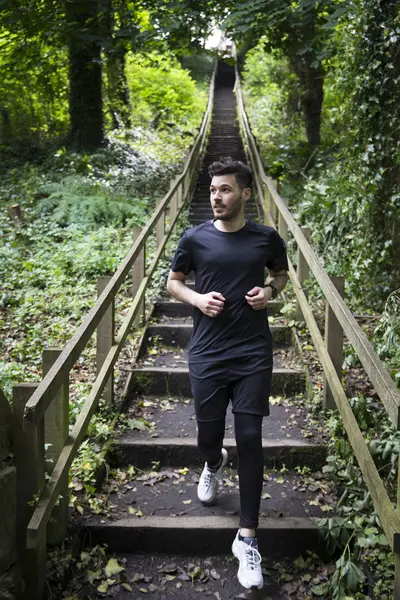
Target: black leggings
{"points": [[250, 459]]}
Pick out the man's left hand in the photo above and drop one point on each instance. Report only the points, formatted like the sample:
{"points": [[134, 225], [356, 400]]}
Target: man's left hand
{"points": [[258, 297]]}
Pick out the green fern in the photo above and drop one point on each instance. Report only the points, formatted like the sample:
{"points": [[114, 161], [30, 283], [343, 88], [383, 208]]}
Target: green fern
{"points": [[76, 200]]}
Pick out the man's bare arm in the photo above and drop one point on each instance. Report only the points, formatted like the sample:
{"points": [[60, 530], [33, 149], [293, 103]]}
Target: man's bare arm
{"points": [[210, 304], [177, 287], [278, 279]]}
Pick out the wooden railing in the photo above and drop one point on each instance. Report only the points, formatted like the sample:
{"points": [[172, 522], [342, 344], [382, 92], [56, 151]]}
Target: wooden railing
{"points": [[339, 320], [41, 411]]}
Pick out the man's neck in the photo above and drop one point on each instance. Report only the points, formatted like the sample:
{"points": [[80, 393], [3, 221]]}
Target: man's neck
{"points": [[231, 226]]}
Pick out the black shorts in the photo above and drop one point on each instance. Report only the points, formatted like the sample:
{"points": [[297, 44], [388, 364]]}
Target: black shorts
{"points": [[214, 384]]}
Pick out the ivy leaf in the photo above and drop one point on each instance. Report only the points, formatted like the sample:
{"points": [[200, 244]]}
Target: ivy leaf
{"points": [[141, 425], [320, 590], [354, 577], [326, 508], [103, 587], [113, 568], [93, 575]]}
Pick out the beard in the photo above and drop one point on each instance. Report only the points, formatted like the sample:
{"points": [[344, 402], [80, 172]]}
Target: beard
{"points": [[231, 212]]}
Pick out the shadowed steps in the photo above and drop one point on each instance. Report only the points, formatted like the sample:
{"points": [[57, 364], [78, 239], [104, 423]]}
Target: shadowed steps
{"points": [[154, 506]]}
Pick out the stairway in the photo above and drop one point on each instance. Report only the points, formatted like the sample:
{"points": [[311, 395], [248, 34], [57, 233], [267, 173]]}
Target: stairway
{"points": [[224, 140], [170, 545]]}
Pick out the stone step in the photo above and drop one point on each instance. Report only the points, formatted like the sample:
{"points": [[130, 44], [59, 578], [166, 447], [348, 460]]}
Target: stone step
{"points": [[174, 452], [179, 577], [200, 536], [205, 211], [179, 334], [163, 503], [169, 357], [175, 309], [156, 417], [175, 381], [169, 492]]}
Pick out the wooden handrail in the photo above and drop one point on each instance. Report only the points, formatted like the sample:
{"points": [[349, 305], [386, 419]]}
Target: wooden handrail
{"points": [[40, 400], [42, 397], [371, 362], [390, 396]]}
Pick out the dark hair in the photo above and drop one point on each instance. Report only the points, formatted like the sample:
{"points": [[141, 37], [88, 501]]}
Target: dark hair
{"points": [[227, 166]]}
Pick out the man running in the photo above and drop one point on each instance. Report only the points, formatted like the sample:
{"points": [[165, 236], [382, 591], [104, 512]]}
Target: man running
{"points": [[230, 353]]}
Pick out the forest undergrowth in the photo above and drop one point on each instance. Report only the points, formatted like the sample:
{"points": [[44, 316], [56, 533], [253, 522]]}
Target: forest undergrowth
{"points": [[338, 189]]}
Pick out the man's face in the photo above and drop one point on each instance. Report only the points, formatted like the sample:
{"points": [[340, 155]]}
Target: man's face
{"points": [[226, 197]]}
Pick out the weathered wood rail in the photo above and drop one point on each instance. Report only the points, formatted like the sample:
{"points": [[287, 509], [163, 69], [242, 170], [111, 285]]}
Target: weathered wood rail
{"points": [[41, 410], [339, 321]]}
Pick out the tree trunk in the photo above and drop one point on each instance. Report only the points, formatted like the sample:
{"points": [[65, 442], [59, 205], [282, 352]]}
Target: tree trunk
{"points": [[312, 102], [118, 89], [118, 97], [310, 73], [312, 85], [85, 75]]}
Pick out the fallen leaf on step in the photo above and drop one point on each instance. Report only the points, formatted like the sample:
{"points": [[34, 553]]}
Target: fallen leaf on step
{"points": [[168, 568], [228, 483], [183, 471], [113, 568], [153, 587], [103, 587]]}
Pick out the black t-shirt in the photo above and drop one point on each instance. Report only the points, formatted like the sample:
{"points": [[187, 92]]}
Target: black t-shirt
{"points": [[232, 264]]}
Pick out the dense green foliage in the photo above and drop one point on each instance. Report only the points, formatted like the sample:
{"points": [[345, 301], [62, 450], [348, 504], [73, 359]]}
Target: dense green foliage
{"points": [[78, 211], [64, 67], [348, 193]]}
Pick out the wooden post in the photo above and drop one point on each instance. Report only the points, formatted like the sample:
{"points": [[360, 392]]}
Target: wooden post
{"points": [[160, 226], [139, 272], [30, 463], [273, 210], [334, 343], [282, 225], [267, 205], [179, 196], [303, 270], [396, 555], [174, 206], [184, 188], [105, 339], [396, 576], [56, 429]]}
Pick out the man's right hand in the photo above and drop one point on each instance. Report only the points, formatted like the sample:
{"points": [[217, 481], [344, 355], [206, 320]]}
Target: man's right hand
{"points": [[211, 304]]}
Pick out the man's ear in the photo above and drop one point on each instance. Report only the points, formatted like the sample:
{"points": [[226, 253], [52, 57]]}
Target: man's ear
{"points": [[246, 193]]}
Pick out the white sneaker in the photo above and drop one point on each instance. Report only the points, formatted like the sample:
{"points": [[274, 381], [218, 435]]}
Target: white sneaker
{"points": [[249, 573], [209, 481]]}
